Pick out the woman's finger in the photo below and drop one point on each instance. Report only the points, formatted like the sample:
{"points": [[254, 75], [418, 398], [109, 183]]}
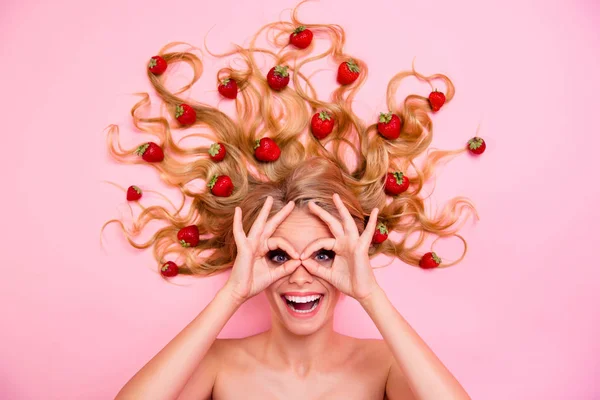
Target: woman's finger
{"points": [[275, 243], [285, 269], [334, 225], [347, 220], [238, 229], [324, 243], [367, 235], [278, 218], [314, 268], [259, 223]]}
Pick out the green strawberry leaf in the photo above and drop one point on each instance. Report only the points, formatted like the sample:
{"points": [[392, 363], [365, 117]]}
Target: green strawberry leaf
{"points": [[299, 29], [224, 82], [382, 228], [256, 144], [324, 115], [352, 66], [184, 243], [214, 149], [142, 149], [281, 71], [213, 181], [137, 189], [152, 63], [385, 117], [399, 177], [178, 111], [436, 258], [475, 143]]}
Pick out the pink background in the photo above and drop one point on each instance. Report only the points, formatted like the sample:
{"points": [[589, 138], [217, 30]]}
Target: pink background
{"points": [[518, 319]]}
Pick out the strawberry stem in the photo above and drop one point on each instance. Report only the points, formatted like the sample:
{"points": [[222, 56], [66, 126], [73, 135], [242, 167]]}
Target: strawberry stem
{"points": [[382, 228], [213, 181], [299, 29], [385, 117], [142, 149], [178, 111], [324, 115], [352, 66], [281, 71], [399, 177], [475, 143], [214, 149]]}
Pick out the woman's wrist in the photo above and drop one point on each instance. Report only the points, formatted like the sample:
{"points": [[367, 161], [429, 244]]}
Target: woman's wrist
{"points": [[372, 299], [230, 297]]}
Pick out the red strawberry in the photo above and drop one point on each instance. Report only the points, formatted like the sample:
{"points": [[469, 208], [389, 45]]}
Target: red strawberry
{"points": [[301, 37], [169, 269], [221, 186], [389, 125], [278, 77], [348, 72], [321, 124], [189, 236], [430, 260], [185, 114], [134, 193], [228, 88], [150, 152], [157, 65], [396, 183], [266, 149], [381, 233], [436, 100], [476, 145], [217, 152]]}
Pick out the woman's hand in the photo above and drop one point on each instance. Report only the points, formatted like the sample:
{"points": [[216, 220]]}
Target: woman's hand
{"points": [[351, 271], [251, 272]]}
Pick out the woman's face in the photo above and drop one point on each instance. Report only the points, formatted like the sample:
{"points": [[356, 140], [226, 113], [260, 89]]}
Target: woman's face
{"points": [[301, 302]]}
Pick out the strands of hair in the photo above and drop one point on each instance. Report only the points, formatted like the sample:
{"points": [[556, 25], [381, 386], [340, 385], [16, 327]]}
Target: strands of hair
{"points": [[352, 161]]}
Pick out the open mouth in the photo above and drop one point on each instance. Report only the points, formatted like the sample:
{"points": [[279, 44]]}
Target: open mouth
{"points": [[302, 304]]}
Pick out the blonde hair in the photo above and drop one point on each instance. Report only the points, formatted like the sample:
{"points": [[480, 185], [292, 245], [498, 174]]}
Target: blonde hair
{"points": [[309, 170]]}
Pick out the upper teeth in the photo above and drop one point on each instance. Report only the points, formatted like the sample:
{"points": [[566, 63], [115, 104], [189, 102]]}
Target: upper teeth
{"points": [[302, 299]]}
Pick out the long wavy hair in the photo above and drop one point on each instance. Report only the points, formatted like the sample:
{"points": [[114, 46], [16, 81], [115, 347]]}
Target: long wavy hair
{"points": [[352, 161]]}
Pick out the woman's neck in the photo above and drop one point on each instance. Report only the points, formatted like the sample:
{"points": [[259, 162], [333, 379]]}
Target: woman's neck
{"points": [[299, 352]]}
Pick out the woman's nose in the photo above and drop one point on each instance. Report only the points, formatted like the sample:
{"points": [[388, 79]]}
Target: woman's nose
{"points": [[301, 276]]}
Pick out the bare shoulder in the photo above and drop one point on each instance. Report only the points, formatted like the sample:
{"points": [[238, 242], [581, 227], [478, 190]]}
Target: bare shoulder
{"points": [[224, 357], [371, 352], [237, 349]]}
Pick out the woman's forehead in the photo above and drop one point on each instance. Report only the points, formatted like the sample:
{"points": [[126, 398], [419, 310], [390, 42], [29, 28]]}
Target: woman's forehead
{"points": [[302, 227]]}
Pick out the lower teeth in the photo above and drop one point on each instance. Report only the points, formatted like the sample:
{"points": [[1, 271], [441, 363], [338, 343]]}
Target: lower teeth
{"points": [[306, 311]]}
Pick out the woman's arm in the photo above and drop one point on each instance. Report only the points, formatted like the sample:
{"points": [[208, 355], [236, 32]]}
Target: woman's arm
{"points": [[352, 274], [428, 378], [168, 372], [165, 375]]}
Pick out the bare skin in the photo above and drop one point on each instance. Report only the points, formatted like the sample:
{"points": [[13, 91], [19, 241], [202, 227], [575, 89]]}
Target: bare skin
{"points": [[294, 257]]}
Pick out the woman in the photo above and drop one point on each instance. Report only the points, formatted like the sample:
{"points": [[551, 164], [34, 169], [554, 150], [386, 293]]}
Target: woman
{"points": [[297, 221], [302, 257]]}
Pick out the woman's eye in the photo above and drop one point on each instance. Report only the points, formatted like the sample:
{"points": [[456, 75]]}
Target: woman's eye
{"points": [[325, 255], [278, 256]]}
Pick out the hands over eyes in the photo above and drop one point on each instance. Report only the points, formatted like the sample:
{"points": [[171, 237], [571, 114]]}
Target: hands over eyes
{"points": [[350, 272]]}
